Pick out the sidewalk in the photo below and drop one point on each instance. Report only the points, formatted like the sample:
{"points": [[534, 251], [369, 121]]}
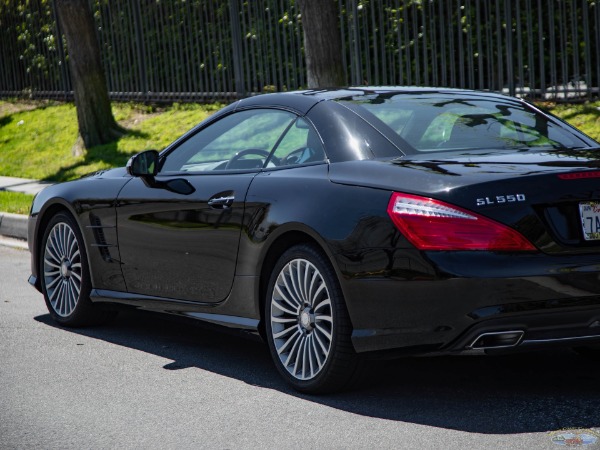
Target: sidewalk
{"points": [[23, 185], [13, 227]]}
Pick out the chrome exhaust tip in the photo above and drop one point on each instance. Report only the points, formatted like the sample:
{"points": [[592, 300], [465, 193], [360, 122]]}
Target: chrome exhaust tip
{"points": [[497, 339]]}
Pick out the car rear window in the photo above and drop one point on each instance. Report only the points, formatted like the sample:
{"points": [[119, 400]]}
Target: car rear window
{"points": [[434, 122]]}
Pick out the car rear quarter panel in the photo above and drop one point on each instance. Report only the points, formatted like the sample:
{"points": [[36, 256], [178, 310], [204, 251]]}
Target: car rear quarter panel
{"points": [[340, 218], [349, 223]]}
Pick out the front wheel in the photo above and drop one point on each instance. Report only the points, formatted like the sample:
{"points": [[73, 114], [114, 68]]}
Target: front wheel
{"points": [[65, 275], [307, 324]]}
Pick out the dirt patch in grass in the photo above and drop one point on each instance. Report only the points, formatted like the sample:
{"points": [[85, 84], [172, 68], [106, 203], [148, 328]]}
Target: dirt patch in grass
{"points": [[7, 108], [137, 118]]}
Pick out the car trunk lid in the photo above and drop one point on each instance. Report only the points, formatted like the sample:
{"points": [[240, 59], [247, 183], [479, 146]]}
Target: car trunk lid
{"points": [[551, 197]]}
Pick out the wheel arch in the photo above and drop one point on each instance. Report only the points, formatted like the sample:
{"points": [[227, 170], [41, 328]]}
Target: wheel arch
{"points": [[43, 218], [285, 239], [338, 366]]}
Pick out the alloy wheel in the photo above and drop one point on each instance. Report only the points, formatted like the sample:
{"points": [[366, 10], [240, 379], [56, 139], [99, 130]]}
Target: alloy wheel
{"points": [[62, 269], [301, 319]]}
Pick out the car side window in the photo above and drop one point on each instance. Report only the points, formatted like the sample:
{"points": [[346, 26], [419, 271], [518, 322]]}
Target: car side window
{"points": [[241, 140], [300, 145], [474, 127]]}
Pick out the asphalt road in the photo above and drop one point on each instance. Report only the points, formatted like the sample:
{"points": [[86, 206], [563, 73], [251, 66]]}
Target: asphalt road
{"points": [[143, 382]]}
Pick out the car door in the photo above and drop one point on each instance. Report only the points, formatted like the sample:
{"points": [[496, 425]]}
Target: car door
{"points": [[179, 231]]}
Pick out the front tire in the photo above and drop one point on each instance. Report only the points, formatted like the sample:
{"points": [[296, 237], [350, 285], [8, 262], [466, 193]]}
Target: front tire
{"points": [[307, 325], [65, 275]]}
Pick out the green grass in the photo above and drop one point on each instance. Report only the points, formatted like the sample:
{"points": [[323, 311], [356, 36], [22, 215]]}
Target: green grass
{"points": [[585, 116], [38, 143], [36, 138], [15, 202]]}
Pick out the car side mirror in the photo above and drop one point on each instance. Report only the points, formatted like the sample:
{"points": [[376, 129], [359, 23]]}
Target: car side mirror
{"points": [[144, 164]]}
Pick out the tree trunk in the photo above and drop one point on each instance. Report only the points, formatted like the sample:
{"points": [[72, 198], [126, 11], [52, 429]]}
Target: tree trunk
{"points": [[322, 43], [94, 115]]}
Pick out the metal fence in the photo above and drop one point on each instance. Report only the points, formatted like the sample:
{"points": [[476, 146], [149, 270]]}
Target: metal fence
{"points": [[197, 50]]}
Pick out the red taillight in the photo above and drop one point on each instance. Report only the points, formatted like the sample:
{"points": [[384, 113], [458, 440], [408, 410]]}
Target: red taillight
{"points": [[434, 225], [579, 175]]}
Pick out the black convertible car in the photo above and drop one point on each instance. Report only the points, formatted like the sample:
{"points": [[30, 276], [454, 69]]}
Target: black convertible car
{"points": [[340, 225]]}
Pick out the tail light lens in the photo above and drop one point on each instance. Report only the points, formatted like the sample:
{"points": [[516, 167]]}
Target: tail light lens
{"points": [[434, 225], [579, 175]]}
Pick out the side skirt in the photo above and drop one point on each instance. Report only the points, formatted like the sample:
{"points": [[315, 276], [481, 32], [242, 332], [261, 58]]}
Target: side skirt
{"points": [[238, 311]]}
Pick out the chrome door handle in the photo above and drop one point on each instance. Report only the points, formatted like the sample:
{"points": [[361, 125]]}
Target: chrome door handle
{"points": [[221, 202]]}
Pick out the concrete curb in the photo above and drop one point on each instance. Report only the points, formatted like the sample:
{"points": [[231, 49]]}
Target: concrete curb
{"points": [[13, 243], [13, 225]]}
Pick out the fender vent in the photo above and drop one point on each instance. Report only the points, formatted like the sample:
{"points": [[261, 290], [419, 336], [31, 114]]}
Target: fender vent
{"points": [[99, 237]]}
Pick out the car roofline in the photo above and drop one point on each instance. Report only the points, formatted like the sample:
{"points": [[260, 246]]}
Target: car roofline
{"points": [[302, 101]]}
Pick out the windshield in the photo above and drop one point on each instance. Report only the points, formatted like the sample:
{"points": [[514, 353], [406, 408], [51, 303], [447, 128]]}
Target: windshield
{"points": [[434, 122]]}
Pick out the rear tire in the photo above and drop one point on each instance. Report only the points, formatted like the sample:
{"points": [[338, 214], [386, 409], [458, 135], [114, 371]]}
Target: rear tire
{"points": [[65, 276], [307, 325]]}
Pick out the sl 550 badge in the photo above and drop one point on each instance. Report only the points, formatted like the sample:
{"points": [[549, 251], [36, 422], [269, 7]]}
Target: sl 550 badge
{"points": [[499, 199]]}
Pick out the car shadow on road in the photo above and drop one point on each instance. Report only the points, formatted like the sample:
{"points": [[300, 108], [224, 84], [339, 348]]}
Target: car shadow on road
{"points": [[524, 393]]}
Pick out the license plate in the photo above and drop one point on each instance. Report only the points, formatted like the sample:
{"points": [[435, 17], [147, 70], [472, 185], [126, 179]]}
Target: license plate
{"points": [[590, 220]]}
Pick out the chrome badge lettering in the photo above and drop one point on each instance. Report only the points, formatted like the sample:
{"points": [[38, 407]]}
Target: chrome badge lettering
{"points": [[500, 199]]}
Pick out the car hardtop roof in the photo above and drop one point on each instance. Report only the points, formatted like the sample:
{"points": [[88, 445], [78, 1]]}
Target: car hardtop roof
{"points": [[303, 100]]}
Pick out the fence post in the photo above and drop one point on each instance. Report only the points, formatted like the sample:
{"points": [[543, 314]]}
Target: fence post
{"points": [[510, 76], [236, 38], [141, 53], [61, 54]]}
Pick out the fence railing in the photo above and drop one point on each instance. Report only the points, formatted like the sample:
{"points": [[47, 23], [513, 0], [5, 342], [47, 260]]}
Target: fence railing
{"points": [[198, 50]]}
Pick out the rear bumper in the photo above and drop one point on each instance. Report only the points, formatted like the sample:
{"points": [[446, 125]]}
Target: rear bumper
{"points": [[546, 301], [570, 324]]}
